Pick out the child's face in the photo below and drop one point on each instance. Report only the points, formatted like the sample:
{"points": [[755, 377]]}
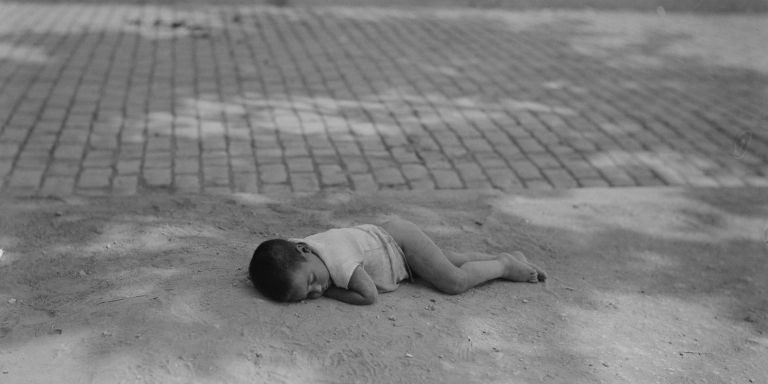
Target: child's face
{"points": [[311, 278]]}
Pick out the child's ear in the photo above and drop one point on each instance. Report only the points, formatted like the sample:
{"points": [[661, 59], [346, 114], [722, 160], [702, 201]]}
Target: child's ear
{"points": [[303, 248]]}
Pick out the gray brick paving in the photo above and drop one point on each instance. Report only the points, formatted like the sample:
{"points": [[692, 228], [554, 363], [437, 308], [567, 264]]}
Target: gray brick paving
{"points": [[125, 99]]}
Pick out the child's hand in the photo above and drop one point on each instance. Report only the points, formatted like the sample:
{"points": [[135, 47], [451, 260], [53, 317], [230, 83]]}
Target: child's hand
{"points": [[362, 290]]}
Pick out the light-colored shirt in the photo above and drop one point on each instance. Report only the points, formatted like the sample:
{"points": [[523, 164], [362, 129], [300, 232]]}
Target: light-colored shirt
{"points": [[343, 249]]}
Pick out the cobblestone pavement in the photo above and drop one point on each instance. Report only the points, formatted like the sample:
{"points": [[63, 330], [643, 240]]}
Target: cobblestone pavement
{"points": [[102, 99]]}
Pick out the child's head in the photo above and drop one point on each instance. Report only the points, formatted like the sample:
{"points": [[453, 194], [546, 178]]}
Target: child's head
{"points": [[286, 271]]}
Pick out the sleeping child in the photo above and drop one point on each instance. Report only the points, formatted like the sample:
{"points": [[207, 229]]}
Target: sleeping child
{"points": [[355, 264]]}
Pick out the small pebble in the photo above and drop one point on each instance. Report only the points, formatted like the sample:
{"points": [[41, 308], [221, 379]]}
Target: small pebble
{"points": [[392, 318], [11, 301], [525, 301], [408, 355], [82, 273]]}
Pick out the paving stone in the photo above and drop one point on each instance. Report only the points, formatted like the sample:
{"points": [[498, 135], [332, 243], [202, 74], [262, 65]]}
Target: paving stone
{"points": [[560, 178], [215, 175], [530, 146], [504, 179], [187, 149], [104, 142], [300, 164], [58, 186], [8, 150], [245, 182], [24, 178], [414, 172], [273, 173], [388, 177], [157, 178], [131, 151], [470, 171], [186, 183], [356, 164], [94, 178], [422, 184], [446, 179], [269, 155], [304, 182], [544, 160], [240, 149], [14, 134], [276, 190], [98, 158], [125, 185], [364, 182], [71, 152], [527, 170], [32, 160], [215, 159], [126, 167], [332, 174], [5, 168]]}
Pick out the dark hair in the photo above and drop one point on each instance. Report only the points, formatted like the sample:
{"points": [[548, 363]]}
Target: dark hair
{"points": [[271, 267]]}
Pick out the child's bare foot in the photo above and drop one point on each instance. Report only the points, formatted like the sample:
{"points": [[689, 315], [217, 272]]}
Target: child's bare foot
{"points": [[516, 270], [521, 257]]}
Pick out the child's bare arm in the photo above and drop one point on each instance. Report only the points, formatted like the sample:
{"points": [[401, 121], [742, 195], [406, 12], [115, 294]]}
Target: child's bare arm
{"points": [[362, 290]]}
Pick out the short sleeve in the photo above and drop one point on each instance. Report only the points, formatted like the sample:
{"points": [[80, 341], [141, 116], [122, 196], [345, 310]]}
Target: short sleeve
{"points": [[341, 263], [344, 274]]}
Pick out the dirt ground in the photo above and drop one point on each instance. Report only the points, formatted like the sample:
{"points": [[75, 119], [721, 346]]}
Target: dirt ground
{"points": [[647, 285]]}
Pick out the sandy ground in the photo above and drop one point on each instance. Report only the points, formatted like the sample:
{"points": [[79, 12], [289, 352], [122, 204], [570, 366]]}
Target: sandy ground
{"points": [[647, 285]]}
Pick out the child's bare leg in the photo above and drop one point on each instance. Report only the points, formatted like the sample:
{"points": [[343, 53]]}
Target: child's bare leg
{"points": [[460, 258], [519, 273], [430, 263]]}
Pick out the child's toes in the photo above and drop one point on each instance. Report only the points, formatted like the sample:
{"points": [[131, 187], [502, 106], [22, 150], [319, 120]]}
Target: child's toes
{"points": [[541, 274], [515, 270]]}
